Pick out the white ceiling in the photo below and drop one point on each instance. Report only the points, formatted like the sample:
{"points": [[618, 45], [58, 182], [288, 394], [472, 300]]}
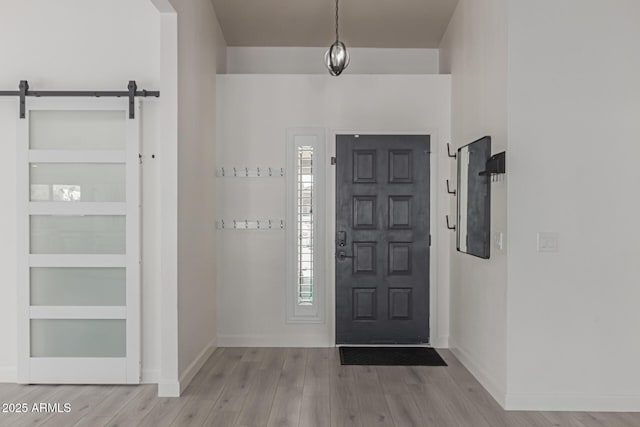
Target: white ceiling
{"points": [[363, 23]]}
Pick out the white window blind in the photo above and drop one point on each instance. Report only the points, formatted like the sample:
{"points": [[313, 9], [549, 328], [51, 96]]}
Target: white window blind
{"points": [[304, 229]]}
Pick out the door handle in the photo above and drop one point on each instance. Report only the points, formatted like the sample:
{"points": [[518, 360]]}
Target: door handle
{"points": [[342, 255]]}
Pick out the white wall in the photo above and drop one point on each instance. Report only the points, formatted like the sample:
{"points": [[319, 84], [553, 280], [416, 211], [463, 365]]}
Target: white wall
{"points": [[253, 114], [199, 42], [474, 52], [574, 315], [310, 60], [40, 42]]}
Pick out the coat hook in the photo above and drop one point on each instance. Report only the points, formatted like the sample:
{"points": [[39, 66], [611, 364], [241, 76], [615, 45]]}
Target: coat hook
{"points": [[449, 190], [235, 172], [269, 223], [450, 227], [270, 172], [222, 224], [222, 171], [235, 225], [281, 223], [258, 171], [453, 156]]}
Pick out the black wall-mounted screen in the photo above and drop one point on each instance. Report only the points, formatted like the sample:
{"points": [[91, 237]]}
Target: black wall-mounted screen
{"points": [[473, 231]]}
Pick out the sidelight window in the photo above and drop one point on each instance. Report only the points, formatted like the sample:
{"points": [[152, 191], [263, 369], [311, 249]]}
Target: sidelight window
{"points": [[305, 287], [304, 226]]}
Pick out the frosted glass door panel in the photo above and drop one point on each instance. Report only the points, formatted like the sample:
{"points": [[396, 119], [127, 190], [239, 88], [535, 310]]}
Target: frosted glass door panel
{"points": [[78, 338], [78, 286], [65, 182], [90, 234], [77, 130]]}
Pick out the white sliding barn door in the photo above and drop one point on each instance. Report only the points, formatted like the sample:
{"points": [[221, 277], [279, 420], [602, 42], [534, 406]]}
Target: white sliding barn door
{"points": [[78, 242]]}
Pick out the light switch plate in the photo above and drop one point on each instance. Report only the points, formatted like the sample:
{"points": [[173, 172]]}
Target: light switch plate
{"points": [[548, 241]]}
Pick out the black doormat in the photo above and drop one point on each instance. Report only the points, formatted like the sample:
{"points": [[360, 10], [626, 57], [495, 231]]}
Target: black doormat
{"points": [[390, 356]]}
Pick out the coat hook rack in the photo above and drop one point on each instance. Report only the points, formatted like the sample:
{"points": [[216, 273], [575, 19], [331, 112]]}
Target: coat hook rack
{"points": [[247, 172], [449, 190], [450, 227], [250, 224], [454, 155]]}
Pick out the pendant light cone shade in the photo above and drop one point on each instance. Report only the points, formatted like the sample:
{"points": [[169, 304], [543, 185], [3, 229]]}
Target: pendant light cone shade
{"points": [[337, 57]]}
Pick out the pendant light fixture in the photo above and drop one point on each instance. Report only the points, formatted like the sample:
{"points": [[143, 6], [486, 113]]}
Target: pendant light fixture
{"points": [[337, 57]]}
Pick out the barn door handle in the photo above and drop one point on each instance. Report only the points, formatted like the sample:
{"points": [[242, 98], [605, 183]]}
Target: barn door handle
{"points": [[342, 255]]}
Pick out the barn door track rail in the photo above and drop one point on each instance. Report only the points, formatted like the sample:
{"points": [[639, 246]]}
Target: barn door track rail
{"points": [[132, 92]]}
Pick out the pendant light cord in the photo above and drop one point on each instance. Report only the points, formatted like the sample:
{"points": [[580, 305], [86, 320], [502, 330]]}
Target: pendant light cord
{"points": [[337, 38]]}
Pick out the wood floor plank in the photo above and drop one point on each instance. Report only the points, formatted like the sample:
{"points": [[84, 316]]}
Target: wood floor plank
{"points": [[132, 414], [394, 380], [315, 409], [598, 419], [236, 386], [92, 421], [608, 419], [214, 377], [287, 402], [440, 399], [9, 391], [372, 404], [257, 406], [467, 383], [35, 396], [164, 412], [344, 403], [562, 419], [117, 398], [226, 372], [81, 399], [221, 419], [404, 411], [239, 387], [526, 419], [194, 413]]}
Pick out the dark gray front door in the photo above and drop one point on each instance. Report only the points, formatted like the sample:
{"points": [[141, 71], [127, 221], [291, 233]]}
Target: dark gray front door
{"points": [[382, 239]]}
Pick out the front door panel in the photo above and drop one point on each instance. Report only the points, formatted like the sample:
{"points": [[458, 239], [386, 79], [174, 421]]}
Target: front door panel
{"points": [[382, 239]]}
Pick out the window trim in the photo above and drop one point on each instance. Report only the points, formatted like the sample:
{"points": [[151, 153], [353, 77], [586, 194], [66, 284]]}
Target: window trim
{"points": [[314, 312]]}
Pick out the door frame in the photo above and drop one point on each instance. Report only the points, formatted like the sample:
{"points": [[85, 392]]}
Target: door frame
{"points": [[330, 225]]}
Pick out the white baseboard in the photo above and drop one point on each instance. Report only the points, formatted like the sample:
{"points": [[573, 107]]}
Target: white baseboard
{"points": [[192, 370], [572, 402], [308, 341], [440, 342], [150, 376], [490, 384], [169, 389], [8, 375]]}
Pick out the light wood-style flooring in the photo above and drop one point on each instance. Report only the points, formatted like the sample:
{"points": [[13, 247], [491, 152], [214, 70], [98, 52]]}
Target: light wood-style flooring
{"points": [[296, 387]]}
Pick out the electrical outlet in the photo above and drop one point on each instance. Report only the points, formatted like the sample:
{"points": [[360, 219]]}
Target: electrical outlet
{"points": [[548, 241]]}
